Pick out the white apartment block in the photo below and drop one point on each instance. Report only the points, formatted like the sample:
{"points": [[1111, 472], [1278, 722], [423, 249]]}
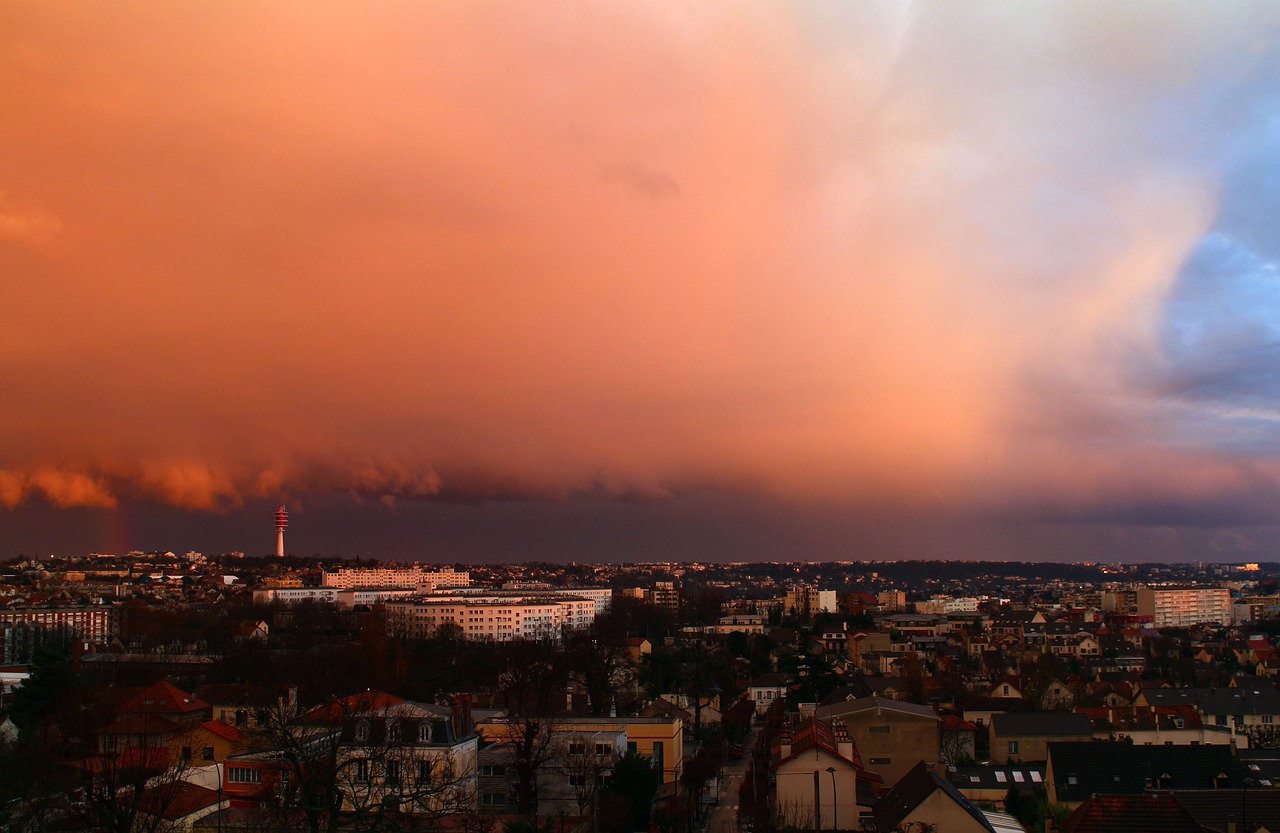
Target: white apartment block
{"points": [[496, 616], [1180, 606], [425, 580], [804, 600], [344, 597], [942, 605]]}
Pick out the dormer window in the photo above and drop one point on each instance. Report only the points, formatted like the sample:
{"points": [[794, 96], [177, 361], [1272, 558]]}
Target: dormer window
{"points": [[424, 732], [362, 730], [393, 732]]}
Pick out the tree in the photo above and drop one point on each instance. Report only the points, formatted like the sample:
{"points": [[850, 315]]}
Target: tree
{"points": [[531, 688], [636, 780], [368, 760], [52, 683]]}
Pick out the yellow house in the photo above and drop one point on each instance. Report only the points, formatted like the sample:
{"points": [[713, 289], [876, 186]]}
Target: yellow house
{"points": [[660, 739]]}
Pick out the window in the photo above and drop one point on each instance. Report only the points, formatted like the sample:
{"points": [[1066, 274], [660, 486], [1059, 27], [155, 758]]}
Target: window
{"points": [[362, 769], [424, 732], [657, 755], [393, 772], [881, 761], [492, 769], [577, 779], [424, 771], [186, 753], [208, 753], [494, 800], [1013, 747], [604, 749], [393, 732], [1268, 719], [362, 730], [631, 746], [577, 749], [244, 775]]}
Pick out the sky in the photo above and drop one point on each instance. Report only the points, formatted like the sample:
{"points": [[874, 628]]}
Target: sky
{"points": [[493, 281]]}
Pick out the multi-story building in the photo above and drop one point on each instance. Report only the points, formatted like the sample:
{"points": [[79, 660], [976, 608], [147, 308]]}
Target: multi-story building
{"points": [[1181, 606], [665, 595], [892, 601], [345, 597], [497, 615], [381, 752], [805, 601], [22, 629], [427, 581]]}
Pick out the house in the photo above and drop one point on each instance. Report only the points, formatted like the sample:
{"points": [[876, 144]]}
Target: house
{"points": [[381, 750], [240, 705], [924, 799], [959, 740], [577, 753], [821, 762], [1125, 813], [890, 735], [212, 742], [1076, 770], [988, 784], [1022, 736], [766, 689]]}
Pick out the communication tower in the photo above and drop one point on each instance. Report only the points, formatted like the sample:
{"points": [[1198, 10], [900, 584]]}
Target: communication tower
{"points": [[282, 522]]}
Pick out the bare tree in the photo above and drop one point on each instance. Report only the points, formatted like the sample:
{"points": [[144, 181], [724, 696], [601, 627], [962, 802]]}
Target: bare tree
{"points": [[379, 762]]}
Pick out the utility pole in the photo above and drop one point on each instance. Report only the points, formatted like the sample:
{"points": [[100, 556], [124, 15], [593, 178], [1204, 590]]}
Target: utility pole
{"points": [[817, 803]]}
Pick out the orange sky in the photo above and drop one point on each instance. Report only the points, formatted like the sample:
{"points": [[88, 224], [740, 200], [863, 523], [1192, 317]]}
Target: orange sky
{"points": [[908, 256]]}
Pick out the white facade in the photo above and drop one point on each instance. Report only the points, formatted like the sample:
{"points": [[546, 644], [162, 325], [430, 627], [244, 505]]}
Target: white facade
{"points": [[1183, 606], [494, 616], [415, 577]]}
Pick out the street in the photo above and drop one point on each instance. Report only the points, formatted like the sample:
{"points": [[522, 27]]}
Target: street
{"points": [[724, 819]]}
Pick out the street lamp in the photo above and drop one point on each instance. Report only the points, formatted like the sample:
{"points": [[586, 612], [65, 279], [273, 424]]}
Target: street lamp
{"points": [[835, 800]]}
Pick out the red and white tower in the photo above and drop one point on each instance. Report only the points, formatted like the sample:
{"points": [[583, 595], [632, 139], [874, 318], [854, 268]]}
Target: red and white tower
{"points": [[282, 521]]}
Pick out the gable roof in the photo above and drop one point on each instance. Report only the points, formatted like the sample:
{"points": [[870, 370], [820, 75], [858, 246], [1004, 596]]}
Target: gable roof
{"points": [[222, 730], [1083, 768], [1213, 809], [162, 698], [863, 704], [1131, 814], [911, 791]]}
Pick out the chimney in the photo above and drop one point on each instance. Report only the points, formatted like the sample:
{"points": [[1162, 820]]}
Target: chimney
{"points": [[462, 725]]}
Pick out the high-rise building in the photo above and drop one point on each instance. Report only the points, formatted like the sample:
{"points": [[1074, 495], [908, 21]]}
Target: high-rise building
{"points": [[1181, 606]]}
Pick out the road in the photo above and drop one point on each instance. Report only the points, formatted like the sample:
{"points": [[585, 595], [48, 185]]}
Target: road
{"points": [[724, 818]]}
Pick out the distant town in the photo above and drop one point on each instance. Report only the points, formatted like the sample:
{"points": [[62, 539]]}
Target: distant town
{"points": [[165, 691]]}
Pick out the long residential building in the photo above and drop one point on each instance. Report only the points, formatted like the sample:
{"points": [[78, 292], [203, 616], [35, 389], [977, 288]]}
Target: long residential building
{"points": [[416, 577], [1181, 606], [22, 629], [496, 615]]}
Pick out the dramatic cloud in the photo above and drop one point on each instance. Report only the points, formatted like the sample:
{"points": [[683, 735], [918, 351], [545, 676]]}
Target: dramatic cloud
{"points": [[1008, 259]]}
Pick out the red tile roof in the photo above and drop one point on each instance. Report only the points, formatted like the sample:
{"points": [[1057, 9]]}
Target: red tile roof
{"points": [[1131, 814], [162, 698], [223, 731]]}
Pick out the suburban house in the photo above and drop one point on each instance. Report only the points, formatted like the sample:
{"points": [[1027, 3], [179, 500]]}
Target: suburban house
{"points": [[929, 802], [821, 763], [891, 736], [1023, 736]]}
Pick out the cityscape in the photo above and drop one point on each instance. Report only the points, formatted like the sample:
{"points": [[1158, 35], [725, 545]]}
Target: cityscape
{"points": [[583, 416]]}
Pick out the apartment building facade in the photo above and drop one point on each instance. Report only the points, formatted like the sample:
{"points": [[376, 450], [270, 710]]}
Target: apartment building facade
{"points": [[1181, 606]]}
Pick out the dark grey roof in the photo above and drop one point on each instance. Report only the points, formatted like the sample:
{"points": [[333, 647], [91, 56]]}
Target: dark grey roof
{"points": [[996, 777], [1214, 809], [1263, 699], [1041, 724], [1083, 768], [911, 790]]}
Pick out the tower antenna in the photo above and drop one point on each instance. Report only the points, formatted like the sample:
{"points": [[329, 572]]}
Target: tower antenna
{"points": [[282, 522]]}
